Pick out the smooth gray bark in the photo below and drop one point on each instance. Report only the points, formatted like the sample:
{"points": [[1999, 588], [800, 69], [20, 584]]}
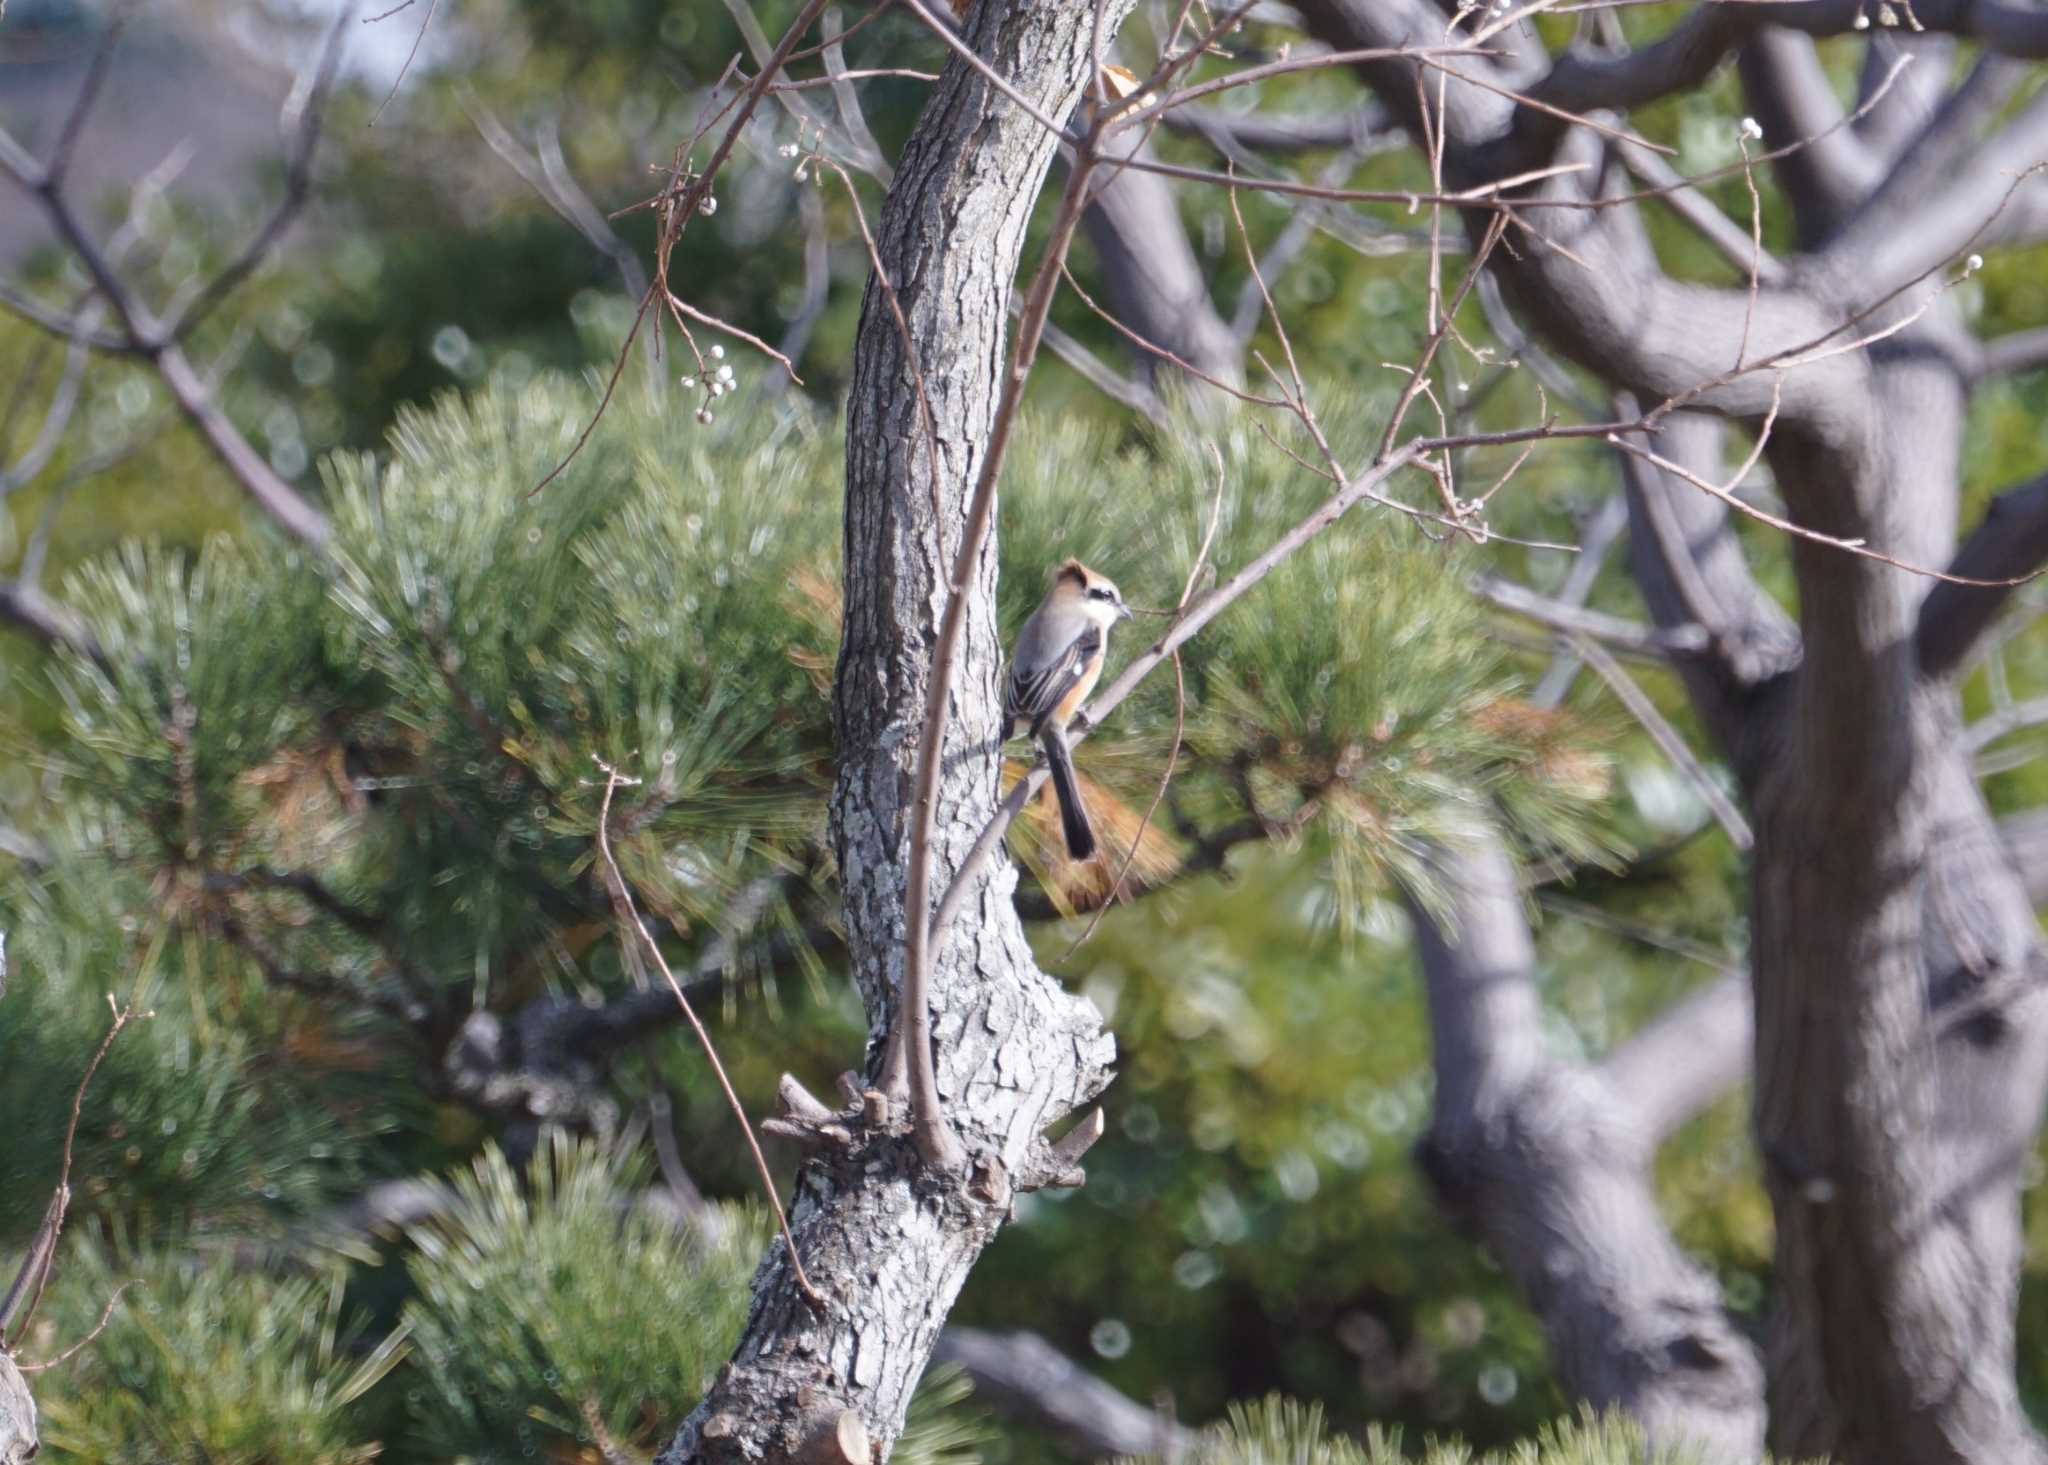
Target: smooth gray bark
{"points": [[1545, 1162], [886, 1240], [1153, 281], [1021, 1375], [1900, 1037]]}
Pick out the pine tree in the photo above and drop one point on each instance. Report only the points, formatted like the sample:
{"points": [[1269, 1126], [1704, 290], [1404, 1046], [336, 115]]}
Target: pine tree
{"points": [[334, 830]]}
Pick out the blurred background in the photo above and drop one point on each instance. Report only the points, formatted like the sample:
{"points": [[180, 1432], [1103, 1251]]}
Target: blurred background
{"points": [[449, 301]]}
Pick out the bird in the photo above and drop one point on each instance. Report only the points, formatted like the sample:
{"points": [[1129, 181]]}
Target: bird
{"points": [[1054, 665]]}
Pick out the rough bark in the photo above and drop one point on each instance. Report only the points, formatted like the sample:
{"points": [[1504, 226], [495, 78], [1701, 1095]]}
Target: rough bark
{"points": [[1548, 1164], [887, 1241], [18, 1440]]}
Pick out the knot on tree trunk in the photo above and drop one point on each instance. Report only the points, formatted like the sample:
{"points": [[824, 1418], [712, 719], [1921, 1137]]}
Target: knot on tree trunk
{"points": [[824, 1430]]}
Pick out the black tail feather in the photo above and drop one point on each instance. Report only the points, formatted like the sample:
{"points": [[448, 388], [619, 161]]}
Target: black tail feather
{"points": [[1073, 813]]}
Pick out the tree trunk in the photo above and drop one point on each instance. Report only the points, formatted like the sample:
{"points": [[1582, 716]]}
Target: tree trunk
{"points": [[1899, 1049], [18, 1440], [886, 1241]]}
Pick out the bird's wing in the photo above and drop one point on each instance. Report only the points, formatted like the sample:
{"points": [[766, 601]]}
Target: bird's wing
{"points": [[1036, 686]]}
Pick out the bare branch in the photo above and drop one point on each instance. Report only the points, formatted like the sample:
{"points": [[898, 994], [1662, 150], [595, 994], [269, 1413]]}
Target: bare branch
{"points": [[1685, 1058], [1150, 270], [35, 1268], [1679, 194], [26, 608], [1527, 1152], [1024, 1377], [1791, 97], [2014, 352], [1573, 620], [622, 900], [2010, 541], [146, 337], [1365, 129]]}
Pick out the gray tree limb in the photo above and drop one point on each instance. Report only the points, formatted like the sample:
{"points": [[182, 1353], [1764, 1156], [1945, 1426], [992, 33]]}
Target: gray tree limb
{"points": [[1154, 283], [1894, 108], [1791, 97], [1930, 209], [27, 609], [1023, 1377], [1545, 1163], [1690, 569], [2016, 351], [2011, 540], [1362, 130], [19, 1441], [1685, 1058]]}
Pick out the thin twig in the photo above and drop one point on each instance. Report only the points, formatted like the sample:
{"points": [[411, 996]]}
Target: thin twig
{"points": [[622, 902], [106, 1315], [399, 80], [35, 1270], [682, 201], [1727, 495]]}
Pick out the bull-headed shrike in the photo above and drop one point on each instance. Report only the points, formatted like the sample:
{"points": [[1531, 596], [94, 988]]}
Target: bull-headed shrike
{"points": [[1054, 666]]}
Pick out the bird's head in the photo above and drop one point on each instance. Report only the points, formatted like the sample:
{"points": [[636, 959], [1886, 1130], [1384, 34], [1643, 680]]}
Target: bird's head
{"points": [[1097, 594]]}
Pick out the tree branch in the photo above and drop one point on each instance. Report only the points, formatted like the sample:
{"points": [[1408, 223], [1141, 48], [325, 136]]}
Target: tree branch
{"points": [[27, 609], [148, 338], [1023, 1377], [2011, 540], [1364, 129], [1685, 638], [1151, 276], [2014, 352], [1930, 211], [1685, 1058], [1690, 569], [1792, 98], [298, 180], [1550, 1168]]}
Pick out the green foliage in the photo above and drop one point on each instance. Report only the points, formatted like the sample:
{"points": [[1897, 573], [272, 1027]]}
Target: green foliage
{"points": [[558, 1310], [175, 632], [941, 1427], [192, 1119], [420, 734], [205, 1362], [1279, 1431], [395, 803]]}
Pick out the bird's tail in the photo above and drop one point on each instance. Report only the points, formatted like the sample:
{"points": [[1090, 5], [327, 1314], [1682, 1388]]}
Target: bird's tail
{"points": [[1073, 813]]}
